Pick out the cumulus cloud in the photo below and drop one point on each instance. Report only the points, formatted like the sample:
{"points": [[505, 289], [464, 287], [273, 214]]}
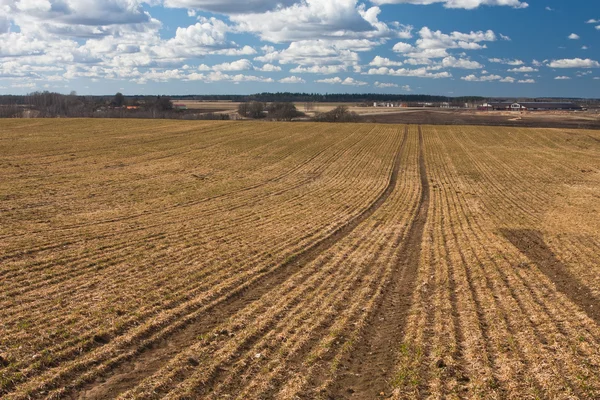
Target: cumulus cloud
{"points": [[268, 68], [506, 61], [337, 80], [239, 65], [559, 78], [488, 78], [244, 51], [452, 62], [574, 63], [292, 79], [466, 4], [527, 81], [573, 36], [384, 62], [384, 85], [592, 21], [319, 69], [417, 73], [315, 53], [523, 69], [318, 19], [230, 6], [432, 45], [402, 47]]}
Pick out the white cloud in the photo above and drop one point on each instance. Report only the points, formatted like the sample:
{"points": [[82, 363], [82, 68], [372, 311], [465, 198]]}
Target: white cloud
{"points": [[348, 81], [402, 47], [584, 47], [488, 78], [244, 51], [417, 73], [593, 21], [506, 61], [559, 78], [319, 69], [384, 85], [466, 4], [523, 69], [268, 68], [219, 76], [384, 62], [229, 6], [318, 19], [314, 53], [292, 79], [451, 62], [527, 81], [573, 36], [435, 44], [549, 9], [574, 63], [239, 65]]}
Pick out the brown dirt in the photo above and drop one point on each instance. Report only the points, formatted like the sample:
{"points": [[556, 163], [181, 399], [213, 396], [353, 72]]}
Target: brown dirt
{"points": [[129, 374], [369, 371], [458, 117], [532, 244]]}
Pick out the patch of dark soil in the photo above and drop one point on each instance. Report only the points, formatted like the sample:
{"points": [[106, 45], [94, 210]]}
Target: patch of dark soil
{"points": [[485, 119]]}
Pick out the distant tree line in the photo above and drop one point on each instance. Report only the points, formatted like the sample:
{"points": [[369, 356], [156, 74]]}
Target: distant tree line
{"points": [[52, 105], [289, 97], [338, 114], [278, 111]]}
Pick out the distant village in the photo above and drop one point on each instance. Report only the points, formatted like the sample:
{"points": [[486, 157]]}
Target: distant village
{"points": [[489, 106]]}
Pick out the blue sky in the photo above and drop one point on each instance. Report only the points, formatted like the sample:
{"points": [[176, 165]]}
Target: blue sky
{"points": [[445, 47]]}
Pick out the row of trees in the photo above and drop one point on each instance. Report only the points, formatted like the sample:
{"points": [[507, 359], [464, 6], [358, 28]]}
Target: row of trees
{"points": [[49, 104], [276, 111], [289, 97], [284, 111]]}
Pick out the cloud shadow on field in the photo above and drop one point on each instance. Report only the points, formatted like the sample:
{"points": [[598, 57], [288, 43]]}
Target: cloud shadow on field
{"points": [[531, 243]]}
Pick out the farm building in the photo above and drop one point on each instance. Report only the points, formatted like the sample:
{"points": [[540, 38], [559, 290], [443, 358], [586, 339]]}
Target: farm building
{"points": [[529, 106], [180, 106]]}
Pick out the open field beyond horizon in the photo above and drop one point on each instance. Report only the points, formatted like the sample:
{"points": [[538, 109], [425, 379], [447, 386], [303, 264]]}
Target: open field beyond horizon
{"points": [[250, 260]]}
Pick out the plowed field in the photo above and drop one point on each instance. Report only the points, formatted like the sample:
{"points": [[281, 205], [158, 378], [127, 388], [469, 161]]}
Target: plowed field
{"points": [[221, 260]]}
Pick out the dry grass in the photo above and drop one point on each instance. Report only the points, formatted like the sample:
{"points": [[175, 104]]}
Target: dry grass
{"points": [[145, 259]]}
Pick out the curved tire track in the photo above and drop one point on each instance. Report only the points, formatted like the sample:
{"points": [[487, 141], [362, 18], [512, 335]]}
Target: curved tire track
{"points": [[372, 363]]}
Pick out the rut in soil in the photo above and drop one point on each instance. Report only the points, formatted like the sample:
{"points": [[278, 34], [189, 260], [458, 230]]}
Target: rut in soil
{"points": [[371, 364]]}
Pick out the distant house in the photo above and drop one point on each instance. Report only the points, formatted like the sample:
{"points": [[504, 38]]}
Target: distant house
{"points": [[530, 106], [180, 106]]}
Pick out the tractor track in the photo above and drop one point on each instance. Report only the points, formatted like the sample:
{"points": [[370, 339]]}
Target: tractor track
{"points": [[371, 365]]}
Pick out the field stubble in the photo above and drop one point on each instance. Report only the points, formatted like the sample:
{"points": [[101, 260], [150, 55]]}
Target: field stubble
{"points": [[144, 259]]}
